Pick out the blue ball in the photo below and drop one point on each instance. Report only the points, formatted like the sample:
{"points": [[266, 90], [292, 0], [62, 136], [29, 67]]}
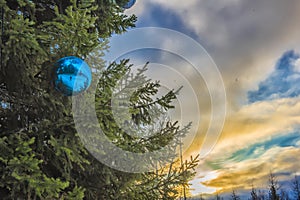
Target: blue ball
{"points": [[72, 75], [129, 4]]}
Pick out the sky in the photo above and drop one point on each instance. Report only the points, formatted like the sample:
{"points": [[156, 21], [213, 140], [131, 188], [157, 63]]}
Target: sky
{"points": [[255, 45]]}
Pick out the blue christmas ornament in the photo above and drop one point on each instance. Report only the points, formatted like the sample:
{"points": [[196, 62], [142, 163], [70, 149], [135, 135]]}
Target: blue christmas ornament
{"points": [[129, 4], [72, 75]]}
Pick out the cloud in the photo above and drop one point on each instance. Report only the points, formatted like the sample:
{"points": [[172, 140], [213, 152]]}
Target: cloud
{"points": [[297, 65], [245, 38], [256, 171], [260, 137], [255, 151], [198, 187], [258, 122], [282, 83]]}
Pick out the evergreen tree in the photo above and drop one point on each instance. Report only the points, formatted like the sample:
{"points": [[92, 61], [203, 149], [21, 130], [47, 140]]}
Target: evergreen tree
{"points": [[261, 195], [273, 187], [296, 188], [42, 155], [234, 196], [254, 195], [284, 195]]}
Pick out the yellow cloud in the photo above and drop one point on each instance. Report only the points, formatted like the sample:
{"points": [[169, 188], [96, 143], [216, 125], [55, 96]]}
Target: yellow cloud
{"points": [[251, 124], [256, 171], [258, 122]]}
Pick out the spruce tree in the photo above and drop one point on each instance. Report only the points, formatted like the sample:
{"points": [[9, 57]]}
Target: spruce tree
{"points": [[284, 195], [273, 187], [296, 188], [234, 196], [42, 155], [254, 195], [262, 195]]}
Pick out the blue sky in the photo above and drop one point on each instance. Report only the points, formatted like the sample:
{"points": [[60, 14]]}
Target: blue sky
{"points": [[283, 82], [256, 47]]}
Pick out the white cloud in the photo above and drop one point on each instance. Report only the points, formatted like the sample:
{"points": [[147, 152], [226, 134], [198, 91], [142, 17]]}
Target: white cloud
{"points": [[196, 184], [245, 38], [297, 65], [293, 77]]}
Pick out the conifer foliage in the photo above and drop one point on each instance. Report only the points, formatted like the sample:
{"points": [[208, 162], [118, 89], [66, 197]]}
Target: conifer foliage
{"points": [[42, 156]]}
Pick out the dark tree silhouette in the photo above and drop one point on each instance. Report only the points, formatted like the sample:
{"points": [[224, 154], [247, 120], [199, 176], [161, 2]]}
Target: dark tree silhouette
{"points": [[254, 195], [218, 197], [296, 188], [234, 196], [273, 187], [284, 195]]}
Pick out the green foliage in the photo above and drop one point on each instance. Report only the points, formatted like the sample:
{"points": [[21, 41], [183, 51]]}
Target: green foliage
{"points": [[163, 183], [136, 92], [42, 156], [21, 170], [111, 18], [69, 33], [110, 22], [76, 194]]}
